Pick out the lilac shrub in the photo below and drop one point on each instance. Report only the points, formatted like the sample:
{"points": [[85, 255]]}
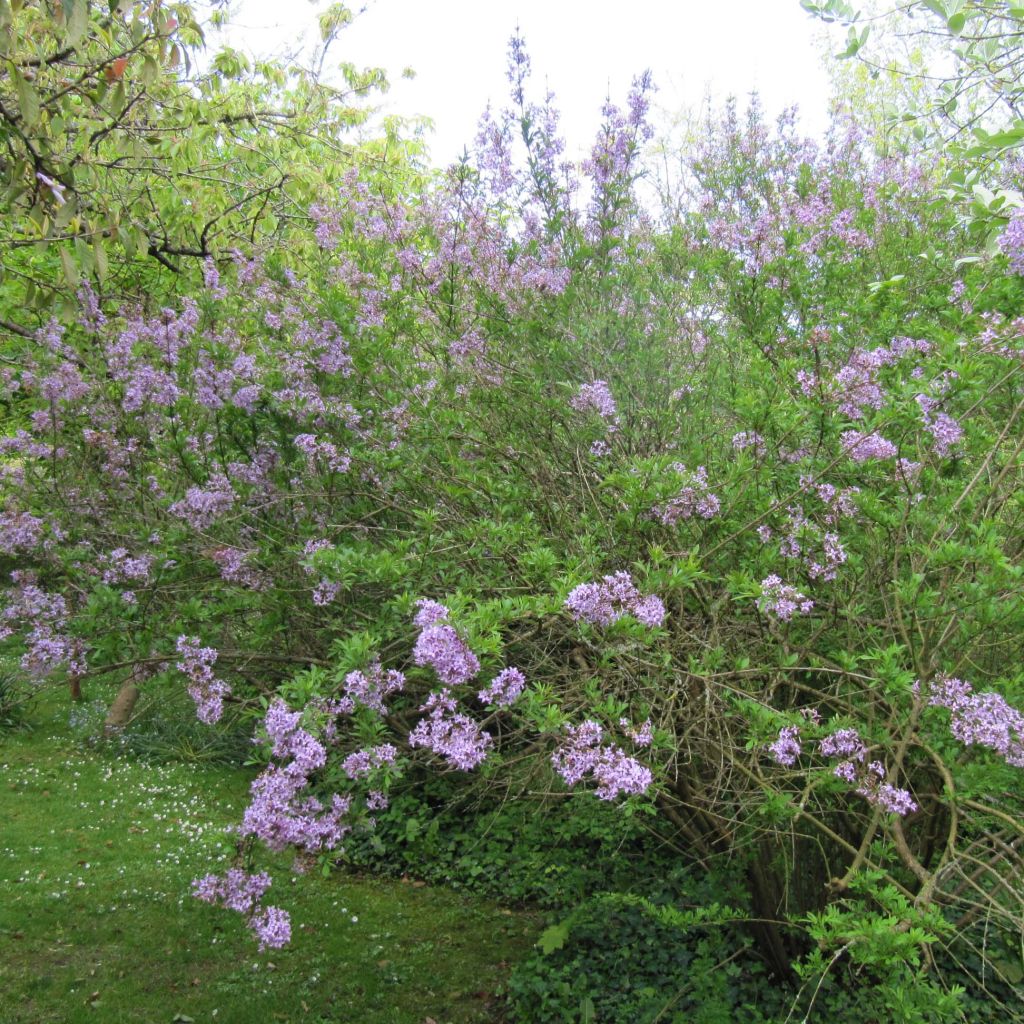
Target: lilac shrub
{"points": [[496, 389]]}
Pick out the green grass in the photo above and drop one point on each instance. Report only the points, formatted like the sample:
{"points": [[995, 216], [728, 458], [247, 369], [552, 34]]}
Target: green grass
{"points": [[96, 925]]}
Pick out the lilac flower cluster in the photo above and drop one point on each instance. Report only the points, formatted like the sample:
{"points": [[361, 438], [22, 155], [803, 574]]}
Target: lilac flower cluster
{"points": [[596, 396], [946, 432], [362, 763], [202, 506], [326, 590], [982, 718], [584, 753], [642, 737], [749, 439], [786, 748], [856, 387], [208, 692], [441, 647], [372, 686], [19, 531], [821, 551], [505, 689], [237, 890], [865, 447], [695, 498], [325, 451], [282, 811], [234, 567], [44, 617], [782, 600], [449, 733], [1011, 241], [120, 567], [866, 777], [606, 602]]}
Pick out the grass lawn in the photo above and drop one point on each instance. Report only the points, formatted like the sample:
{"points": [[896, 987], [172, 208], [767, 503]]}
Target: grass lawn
{"points": [[97, 855]]}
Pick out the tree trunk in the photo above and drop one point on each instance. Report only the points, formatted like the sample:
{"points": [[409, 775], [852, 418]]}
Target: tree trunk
{"points": [[120, 711]]}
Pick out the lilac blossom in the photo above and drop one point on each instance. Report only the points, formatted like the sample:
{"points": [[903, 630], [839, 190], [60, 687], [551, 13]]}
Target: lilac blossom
{"points": [[428, 613], [449, 733], [19, 531], [985, 719], [202, 506], [441, 647], [208, 692], [782, 600], [596, 396], [363, 762], [606, 602], [282, 811], [234, 568], [694, 499], [239, 891], [584, 753], [1011, 241], [642, 737], [44, 618], [864, 447], [786, 747], [505, 688], [373, 685]]}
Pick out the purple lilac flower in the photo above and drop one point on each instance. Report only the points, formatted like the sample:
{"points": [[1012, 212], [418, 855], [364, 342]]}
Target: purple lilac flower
{"points": [[239, 891], [982, 718], [19, 531], [441, 647], [786, 748], [325, 451], [749, 439], [642, 737], [234, 568], [866, 777], [603, 603], [44, 618], [429, 612], [863, 447], [373, 685], [615, 772], [505, 688], [452, 735], [272, 927], [282, 812], [202, 506], [946, 432], [596, 396], [376, 800], [122, 567], [782, 600], [844, 743], [363, 762], [1011, 241], [694, 499], [197, 664]]}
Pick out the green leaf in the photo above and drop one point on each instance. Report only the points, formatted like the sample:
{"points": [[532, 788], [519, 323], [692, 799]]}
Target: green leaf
{"points": [[553, 937], [150, 70], [77, 14], [956, 23], [28, 99], [71, 274], [99, 258]]}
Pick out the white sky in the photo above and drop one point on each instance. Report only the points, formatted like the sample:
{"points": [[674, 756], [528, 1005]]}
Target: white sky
{"points": [[581, 49]]}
